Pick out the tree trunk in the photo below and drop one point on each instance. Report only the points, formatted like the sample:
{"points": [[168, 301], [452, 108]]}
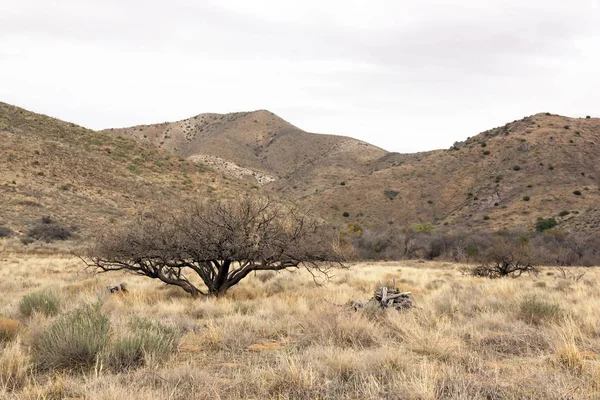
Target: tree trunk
{"points": [[219, 286]]}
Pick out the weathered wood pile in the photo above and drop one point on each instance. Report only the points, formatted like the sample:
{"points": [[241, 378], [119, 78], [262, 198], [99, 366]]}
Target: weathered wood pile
{"points": [[119, 288], [387, 298]]}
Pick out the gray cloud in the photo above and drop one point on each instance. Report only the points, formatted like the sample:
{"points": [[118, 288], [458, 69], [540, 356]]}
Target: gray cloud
{"points": [[366, 69]]}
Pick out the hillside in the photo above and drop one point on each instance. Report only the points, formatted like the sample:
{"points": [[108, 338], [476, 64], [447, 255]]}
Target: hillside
{"points": [[84, 178], [502, 178], [506, 177], [259, 146]]}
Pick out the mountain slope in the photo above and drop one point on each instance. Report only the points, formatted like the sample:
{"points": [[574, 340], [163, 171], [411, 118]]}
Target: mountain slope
{"points": [[506, 177], [84, 178], [266, 146]]}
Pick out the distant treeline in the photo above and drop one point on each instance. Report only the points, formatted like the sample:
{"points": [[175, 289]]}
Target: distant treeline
{"points": [[551, 247]]}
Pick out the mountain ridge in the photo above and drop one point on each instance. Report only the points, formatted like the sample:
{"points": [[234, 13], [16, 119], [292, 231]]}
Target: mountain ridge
{"points": [[337, 175], [541, 166]]}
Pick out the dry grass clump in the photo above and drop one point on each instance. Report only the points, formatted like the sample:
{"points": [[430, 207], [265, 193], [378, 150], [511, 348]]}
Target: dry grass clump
{"points": [[285, 338], [46, 302], [9, 329], [72, 342], [534, 310], [146, 341], [14, 367]]}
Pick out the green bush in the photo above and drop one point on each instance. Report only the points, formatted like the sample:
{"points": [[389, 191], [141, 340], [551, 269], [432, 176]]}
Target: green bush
{"points": [[526, 198], [564, 213], [74, 341], [45, 301], [535, 311], [516, 168], [545, 223], [346, 214], [147, 340], [577, 193], [486, 153]]}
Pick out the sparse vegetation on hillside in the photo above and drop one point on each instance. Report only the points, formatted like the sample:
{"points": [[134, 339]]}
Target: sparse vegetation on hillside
{"points": [[544, 224]]}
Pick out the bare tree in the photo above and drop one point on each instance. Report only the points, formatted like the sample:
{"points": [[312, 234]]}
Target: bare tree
{"points": [[506, 255], [219, 242]]}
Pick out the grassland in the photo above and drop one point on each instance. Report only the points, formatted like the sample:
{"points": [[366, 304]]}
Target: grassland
{"points": [[279, 336]]}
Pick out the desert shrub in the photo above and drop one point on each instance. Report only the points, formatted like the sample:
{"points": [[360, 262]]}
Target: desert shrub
{"points": [[588, 116], [48, 230], [577, 192], [535, 311], [44, 301], [346, 214], [374, 244], [516, 168], [545, 223], [5, 232], [72, 342], [14, 367], [148, 340], [526, 198], [563, 213], [486, 217], [486, 153], [9, 329], [484, 144], [506, 254], [391, 194]]}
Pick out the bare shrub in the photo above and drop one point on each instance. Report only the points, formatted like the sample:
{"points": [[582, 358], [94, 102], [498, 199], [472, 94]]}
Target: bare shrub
{"points": [[375, 244], [220, 243], [508, 255], [48, 230], [5, 232]]}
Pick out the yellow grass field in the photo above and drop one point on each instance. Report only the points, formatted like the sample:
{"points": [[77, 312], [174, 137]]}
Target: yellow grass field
{"points": [[279, 336]]}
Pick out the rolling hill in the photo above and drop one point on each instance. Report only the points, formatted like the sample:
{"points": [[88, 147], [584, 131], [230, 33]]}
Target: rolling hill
{"points": [[84, 178], [506, 177], [541, 166]]}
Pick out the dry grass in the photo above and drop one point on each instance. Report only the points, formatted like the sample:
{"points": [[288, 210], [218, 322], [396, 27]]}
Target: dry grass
{"points": [[278, 336]]}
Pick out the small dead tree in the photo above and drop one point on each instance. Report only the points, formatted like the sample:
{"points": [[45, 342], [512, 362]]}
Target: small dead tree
{"points": [[506, 255], [219, 242]]}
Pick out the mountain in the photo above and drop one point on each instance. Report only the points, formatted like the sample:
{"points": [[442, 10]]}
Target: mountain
{"points": [[542, 166], [506, 177], [258, 146], [84, 178]]}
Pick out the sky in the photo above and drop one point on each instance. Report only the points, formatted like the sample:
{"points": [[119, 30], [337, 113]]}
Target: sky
{"points": [[407, 76]]}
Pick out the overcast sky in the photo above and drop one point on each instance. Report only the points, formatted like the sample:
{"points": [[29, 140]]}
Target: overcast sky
{"points": [[407, 75]]}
